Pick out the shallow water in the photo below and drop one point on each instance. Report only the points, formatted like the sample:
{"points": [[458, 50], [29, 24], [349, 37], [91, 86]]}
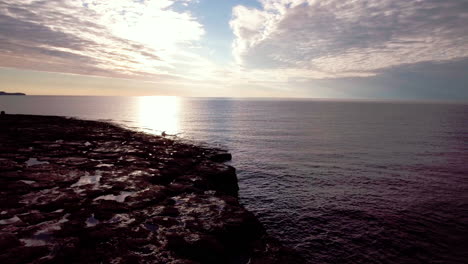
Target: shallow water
{"points": [[343, 182]]}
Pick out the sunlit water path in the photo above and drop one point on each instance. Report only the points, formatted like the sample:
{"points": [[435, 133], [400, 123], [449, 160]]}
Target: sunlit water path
{"points": [[343, 182]]}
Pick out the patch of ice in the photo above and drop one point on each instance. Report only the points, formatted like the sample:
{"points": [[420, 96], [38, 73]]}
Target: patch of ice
{"points": [[34, 161]]}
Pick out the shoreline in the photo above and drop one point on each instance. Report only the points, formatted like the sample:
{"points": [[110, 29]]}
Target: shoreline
{"points": [[90, 191]]}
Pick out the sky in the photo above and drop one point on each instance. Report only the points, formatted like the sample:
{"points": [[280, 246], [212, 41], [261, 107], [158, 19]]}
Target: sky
{"points": [[383, 49]]}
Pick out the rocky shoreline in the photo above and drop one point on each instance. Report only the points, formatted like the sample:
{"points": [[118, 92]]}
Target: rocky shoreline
{"points": [[74, 191], [5, 93]]}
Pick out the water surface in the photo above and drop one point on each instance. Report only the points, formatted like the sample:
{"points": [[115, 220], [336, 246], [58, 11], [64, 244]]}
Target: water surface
{"points": [[343, 182]]}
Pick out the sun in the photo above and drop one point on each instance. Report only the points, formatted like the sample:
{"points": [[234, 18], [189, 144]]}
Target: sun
{"points": [[159, 113]]}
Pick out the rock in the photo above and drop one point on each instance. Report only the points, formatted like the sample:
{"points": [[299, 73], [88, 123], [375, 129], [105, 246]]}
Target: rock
{"points": [[9, 165], [170, 211], [22, 254], [7, 241], [220, 177], [202, 248], [163, 221], [74, 191], [220, 156]]}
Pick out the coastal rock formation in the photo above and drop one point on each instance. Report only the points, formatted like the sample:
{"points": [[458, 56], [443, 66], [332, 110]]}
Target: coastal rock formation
{"points": [[5, 93], [74, 191]]}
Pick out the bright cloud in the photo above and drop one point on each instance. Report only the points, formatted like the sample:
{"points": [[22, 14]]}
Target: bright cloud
{"points": [[280, 47], [119, 38], [344, 38]]}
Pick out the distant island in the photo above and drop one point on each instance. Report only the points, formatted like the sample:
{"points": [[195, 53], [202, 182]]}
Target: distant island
{"points": [[5, 93]]}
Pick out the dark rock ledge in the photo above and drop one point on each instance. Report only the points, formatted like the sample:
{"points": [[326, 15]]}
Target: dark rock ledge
{"points": [[74, 191]]}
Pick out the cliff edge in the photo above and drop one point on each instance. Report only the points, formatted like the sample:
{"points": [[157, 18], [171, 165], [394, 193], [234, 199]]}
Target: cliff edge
{"points": [[74, 191]]}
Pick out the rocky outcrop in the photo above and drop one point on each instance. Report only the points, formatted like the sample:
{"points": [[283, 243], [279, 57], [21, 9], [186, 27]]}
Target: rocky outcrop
{"points": [[74, 191], [5, 93]]}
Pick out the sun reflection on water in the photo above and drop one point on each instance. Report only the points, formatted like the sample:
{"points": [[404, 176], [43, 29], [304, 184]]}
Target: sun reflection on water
{"points": [[159, 113]]}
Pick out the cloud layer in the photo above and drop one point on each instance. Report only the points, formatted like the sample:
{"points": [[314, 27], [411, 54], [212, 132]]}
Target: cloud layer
{"points": [[280, 48], [343, 38], [119, 38]]}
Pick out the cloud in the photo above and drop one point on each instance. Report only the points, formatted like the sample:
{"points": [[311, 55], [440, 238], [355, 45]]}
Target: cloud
{"points": [[346, 38], [119, 38], [287, 47], [425, 80]]}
